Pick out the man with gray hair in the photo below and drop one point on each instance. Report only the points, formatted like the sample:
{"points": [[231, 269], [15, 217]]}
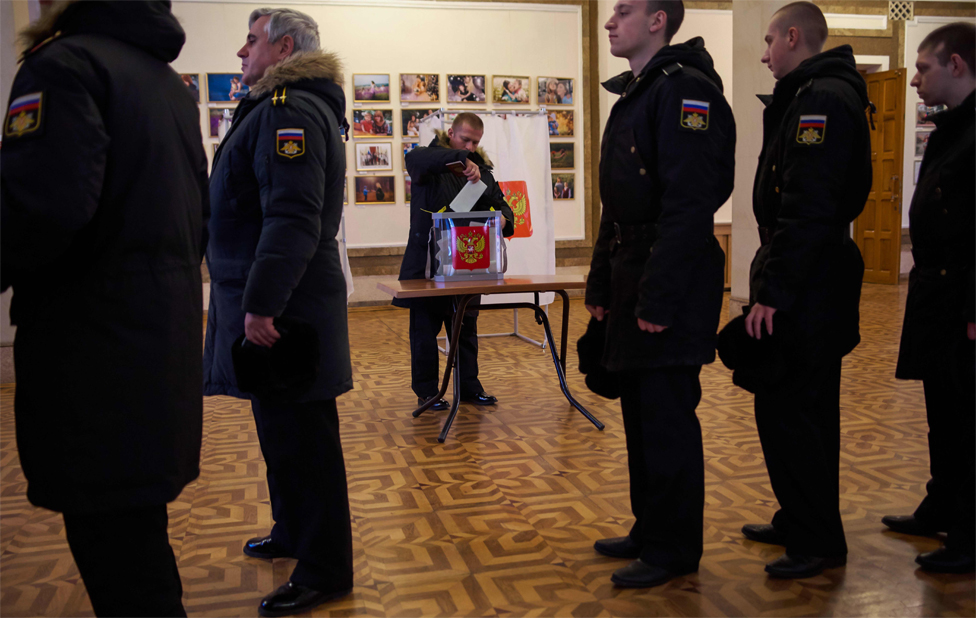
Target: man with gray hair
{"points": [[276, 194]]}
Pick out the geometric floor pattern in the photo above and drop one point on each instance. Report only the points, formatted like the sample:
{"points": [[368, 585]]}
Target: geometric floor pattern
{"points": [[500, 520]]}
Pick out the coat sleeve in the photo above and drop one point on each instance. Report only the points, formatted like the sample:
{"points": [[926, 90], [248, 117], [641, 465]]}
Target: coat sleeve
{"points": [[292, 189], [51, 175], [811, 194], [696, 173], [598, 280], [423, 163]]}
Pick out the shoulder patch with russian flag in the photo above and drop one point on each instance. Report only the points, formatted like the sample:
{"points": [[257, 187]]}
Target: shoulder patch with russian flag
{"points": [[24, 115], [811, 130], [290, 143], [694, 114]]}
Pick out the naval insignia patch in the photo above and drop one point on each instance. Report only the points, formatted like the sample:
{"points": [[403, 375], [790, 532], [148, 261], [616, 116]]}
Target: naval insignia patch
{"points": [[694, 114], [24, 115], [291, 143], [811, 130]]}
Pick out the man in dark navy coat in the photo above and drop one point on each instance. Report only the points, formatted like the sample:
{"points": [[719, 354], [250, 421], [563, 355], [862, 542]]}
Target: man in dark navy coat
{"points": [[276, 195], [940, 315], [657, 275]]}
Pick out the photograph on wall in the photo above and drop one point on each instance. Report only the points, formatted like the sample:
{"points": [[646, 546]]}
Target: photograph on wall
{"points": [[563, 186], [407, 147], [918, 168], [555, 91], [466, 88], [562, 155], [508, 90], [420, 87], [215, 147], [220, 116], [406, 188], [923, 114], [561, 124], [375, 190], [225, 87], [374, 157], [371, 87], [192, 83], [345, 191], [921, 142], [372, 123], [411, 119]]}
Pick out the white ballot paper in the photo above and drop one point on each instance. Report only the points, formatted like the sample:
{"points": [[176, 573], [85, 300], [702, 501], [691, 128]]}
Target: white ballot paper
{"points": [[466, 199]]}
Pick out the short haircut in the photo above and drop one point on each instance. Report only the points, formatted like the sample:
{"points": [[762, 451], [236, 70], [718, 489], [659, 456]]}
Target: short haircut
{"points": [[472, 120], [674, 9], [807, 18], [957, 38], [299, 26]]}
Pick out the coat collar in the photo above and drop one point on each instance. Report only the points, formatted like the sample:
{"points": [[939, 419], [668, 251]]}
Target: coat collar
{"points": [[958, 115], [298, 67], [45, 26], [443, 141]]}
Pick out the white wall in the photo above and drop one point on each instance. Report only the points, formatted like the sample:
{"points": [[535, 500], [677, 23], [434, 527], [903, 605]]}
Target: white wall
{"points": [[409, 36]]}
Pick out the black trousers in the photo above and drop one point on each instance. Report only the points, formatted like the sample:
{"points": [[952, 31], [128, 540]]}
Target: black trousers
{"points": [[427, 315], [799, 428], [307, 484], [950, 494], [126, 562], [666, 463]]}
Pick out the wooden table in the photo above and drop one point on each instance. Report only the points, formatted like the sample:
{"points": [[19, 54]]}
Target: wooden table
{"points": [[465, 291]]}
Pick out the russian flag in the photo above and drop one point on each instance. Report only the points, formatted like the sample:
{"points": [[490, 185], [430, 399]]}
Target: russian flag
{"points": [[291, 134], [25, 103], [700, 107], [815, 122]]}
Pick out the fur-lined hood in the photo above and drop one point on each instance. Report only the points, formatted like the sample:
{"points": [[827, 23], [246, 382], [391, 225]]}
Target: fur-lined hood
{"points": [[300, 66], [148, 24], [444, 141]]}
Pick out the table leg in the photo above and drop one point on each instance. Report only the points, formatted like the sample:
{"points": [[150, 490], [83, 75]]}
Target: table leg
{"points": [[562, 345], [452, 354]]}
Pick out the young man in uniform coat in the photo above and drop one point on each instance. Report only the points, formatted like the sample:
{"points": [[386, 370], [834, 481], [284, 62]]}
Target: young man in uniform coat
{"points": [[104, 208], [657, 275], [940, 315], [813, 179], [276, 194], [435, 186]]}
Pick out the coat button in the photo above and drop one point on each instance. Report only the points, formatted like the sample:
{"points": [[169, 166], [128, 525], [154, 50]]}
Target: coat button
{"points": [[942, 272], [623, 95], [643, 171], [945, 211], [938, 192], [777, 189], [633, 149], [774, 168]]}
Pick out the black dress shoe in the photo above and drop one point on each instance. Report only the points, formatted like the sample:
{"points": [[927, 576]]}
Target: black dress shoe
{"points": [[639, 574], [946, 560], [763, 533], [296, 599], [620, 547], [441, 404], [799, 566], [907, 524], [265, 547], [482, 399]]}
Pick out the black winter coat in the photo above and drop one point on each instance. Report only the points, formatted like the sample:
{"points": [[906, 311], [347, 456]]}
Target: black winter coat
{"points": [[667, 161], [434, 187], [104, 208], [276, 195], [813, 180], [942, 284]]}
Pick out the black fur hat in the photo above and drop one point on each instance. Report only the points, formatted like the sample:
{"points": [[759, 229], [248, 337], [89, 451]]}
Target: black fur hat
{"points": [[590, 349], [286, 370], [761, 363]]}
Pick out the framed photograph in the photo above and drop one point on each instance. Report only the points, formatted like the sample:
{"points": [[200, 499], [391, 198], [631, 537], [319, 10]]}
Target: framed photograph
{"points": [[225, 87], [923, 112], [562, 155], [466, 88], [918, 168], [220, 116], [563, 186], [375, 190], [371, 87], [561, 123], [407, 147], [420, 87], [372, 123], [215, 145], [406, 188], [509, 90], [192, 83], [921, 142], [411, 119], [345, 191], [371, 156], [555, 91]]}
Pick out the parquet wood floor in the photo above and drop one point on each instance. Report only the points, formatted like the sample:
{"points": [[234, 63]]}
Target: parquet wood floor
{"points": [[500, 520]]}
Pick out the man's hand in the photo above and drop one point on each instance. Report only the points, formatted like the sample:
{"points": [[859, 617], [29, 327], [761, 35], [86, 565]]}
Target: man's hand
{"points": [[598, 312], [650, 328], [260, 330], [971, 330], [472, 172], [757, 315]]}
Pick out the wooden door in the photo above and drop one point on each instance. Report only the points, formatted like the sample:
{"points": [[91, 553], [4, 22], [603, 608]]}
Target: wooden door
{"points": [[878, 230]]}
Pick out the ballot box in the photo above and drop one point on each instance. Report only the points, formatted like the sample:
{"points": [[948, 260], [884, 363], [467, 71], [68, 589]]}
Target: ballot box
{"points": [[466, 246]]}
